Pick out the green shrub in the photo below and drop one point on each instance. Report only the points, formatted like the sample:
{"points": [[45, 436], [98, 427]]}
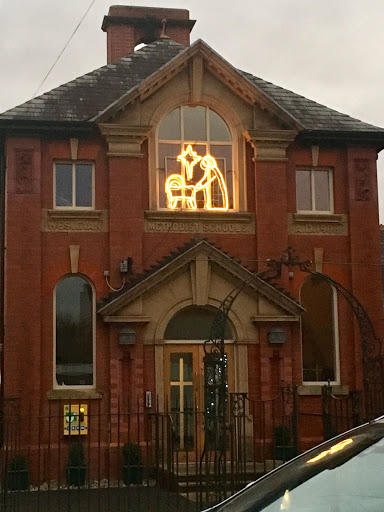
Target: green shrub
{"points": [[18, 463], [76, 454], [282, 435], [131, 454]]}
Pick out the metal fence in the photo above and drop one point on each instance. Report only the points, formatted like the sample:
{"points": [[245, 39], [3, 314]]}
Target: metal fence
{"points": [[74, 456]]}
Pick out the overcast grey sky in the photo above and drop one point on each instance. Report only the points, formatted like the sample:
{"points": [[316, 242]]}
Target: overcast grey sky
{"points": [[327, 50]]}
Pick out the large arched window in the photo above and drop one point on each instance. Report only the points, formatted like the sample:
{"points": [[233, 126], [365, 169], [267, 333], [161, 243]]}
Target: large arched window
{"points": [[74, 328], [319, 331], [195, 161]]}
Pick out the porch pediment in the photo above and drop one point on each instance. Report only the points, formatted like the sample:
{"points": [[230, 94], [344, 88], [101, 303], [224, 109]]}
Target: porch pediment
{"points": [[196, 274]]}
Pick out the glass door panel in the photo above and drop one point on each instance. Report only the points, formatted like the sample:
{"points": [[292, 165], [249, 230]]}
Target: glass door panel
{"points": [[182, 402]]}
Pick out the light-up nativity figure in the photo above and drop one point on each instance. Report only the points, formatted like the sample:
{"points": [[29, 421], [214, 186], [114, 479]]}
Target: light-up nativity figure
{"points": [[181, 192]]}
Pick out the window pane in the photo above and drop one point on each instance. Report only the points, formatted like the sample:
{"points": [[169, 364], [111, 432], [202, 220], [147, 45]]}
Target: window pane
{"points": [[168, 165], [223, 156], [63, 184], [170, 127], [188, 367], [322, 200], [175, 367], [303, 190], [74, 332], [194, 323], [318, 331], [195, 128], [83, 185], [218, 129]]}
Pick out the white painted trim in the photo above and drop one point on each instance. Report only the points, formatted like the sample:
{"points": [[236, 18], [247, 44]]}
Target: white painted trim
{"points": [[79, 387]]}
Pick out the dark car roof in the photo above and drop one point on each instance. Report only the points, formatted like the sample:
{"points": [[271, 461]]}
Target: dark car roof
{"points": [[260, 493]]}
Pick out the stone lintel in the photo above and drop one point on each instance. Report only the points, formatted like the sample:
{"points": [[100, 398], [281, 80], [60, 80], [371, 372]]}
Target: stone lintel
{"points": [[74, 394], [274, 318], [74, 220], [124, 141], [317, 224], [270, 145], [234, 223], [116, 319]]}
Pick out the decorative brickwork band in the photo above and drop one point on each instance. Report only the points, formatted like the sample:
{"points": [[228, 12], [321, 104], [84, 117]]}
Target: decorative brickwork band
{"points": [[362, 180], [24, 171]]}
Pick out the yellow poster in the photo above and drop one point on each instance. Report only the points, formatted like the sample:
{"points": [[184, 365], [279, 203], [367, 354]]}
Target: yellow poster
{"points": [[75, 419]]}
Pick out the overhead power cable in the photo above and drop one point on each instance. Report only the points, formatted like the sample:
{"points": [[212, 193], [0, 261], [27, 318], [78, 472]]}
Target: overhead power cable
{"points": [[65, 47]]}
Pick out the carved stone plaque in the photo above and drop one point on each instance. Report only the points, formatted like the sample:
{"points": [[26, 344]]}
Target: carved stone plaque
{"points": [[86, 221], [24, 171], [362, 180], [206, 223], [301, 224]]}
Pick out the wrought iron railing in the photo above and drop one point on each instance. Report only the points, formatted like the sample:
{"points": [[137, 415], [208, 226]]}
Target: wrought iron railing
{"points": [[132, 460]]}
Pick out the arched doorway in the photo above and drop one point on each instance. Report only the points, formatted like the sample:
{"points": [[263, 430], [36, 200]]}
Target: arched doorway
{"points": [[184, 339]]}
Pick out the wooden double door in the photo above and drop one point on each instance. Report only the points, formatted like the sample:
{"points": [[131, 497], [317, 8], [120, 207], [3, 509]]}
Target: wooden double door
{"points": [[184, 387]]}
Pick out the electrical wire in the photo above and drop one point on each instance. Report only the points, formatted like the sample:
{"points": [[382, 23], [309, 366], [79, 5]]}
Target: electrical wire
{"points": [[65, 47], [112, 288]]}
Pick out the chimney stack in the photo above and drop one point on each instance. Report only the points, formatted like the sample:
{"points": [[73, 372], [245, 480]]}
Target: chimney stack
{"points": [[128, 26]]}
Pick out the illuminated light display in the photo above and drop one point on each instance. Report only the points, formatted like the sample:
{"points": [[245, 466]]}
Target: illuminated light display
{"points": [[180, 190], [336, 448]]}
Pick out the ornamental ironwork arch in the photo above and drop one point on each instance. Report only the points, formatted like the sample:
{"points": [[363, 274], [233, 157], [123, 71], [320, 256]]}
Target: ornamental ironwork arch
{"points": [[216, 388]]}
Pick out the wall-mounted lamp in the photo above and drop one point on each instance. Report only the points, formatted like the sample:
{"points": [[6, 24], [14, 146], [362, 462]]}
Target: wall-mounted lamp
{"points": [[127, 336], [277, 335]]}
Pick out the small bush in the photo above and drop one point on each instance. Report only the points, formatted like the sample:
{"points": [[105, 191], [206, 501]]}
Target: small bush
{"points": [[76, 454], [131, 454], [18, 463]]}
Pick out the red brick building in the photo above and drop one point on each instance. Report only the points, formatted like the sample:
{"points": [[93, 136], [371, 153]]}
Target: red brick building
{"points": [[173, 177]]}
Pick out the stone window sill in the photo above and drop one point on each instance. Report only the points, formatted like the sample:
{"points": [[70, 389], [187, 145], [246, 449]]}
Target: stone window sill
{"points": [[74, 214], [318, 217], [74, 394], [316, 389]]}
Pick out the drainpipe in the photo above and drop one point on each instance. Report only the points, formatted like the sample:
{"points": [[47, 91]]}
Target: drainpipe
{"points": [[2, 256]]}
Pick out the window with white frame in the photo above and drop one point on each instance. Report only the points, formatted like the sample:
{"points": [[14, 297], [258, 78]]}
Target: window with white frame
{"points": [[314, 190], [74, 185], [319, 331], [195, 161], [74, 332]]}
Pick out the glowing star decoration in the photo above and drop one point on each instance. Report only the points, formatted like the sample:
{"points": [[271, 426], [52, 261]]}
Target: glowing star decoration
{"points": [[336, 448], [179, 190], [189, 158]]}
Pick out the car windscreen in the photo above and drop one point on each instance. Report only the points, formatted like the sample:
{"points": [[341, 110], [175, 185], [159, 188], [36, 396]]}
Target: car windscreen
{"points": [[345, 475]]}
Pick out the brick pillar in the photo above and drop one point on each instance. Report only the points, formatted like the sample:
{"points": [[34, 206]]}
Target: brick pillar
{"points": [[365, 271], [270, 192], [22, 344], [128, 195]]}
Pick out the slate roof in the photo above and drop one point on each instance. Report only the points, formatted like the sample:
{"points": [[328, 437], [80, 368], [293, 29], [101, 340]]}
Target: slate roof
{"points": [[173, 255], [308, 113], [86, 97]]}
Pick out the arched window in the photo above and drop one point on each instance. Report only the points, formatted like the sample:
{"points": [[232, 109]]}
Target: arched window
{"points": [[194, 323], [195, 161], [74, 328], [319, 331]]}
